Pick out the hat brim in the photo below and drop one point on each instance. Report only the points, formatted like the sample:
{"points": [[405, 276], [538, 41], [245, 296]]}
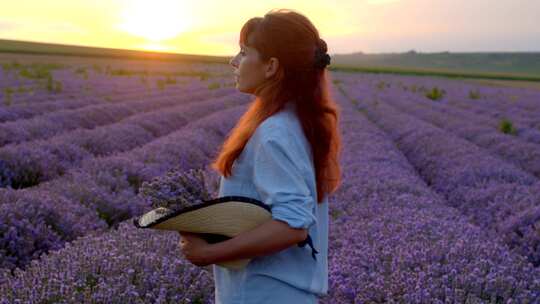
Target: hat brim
{"points": [[227, 216], [215, 220]]}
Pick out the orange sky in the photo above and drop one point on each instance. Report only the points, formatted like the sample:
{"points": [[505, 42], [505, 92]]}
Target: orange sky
{"points": [[211, 27]]}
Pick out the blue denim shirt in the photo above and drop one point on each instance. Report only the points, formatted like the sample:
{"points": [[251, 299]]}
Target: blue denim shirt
{"points": [[276, 167]]}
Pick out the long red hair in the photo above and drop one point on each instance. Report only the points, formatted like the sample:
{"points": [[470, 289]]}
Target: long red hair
{"points": [[292, 39]]}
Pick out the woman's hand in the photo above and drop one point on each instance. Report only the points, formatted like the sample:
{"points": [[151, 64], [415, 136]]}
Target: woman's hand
{"points": [[195, 249]]}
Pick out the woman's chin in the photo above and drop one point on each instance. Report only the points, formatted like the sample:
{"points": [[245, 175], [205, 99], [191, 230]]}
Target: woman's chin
{"points": [[242, 89]]}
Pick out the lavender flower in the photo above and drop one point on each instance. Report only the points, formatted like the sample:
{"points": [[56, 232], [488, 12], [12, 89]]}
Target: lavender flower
{"points": [[176, 190], [436, 206]]}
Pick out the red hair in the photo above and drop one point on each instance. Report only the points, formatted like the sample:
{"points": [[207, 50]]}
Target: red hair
{"points": [[292, 39]]}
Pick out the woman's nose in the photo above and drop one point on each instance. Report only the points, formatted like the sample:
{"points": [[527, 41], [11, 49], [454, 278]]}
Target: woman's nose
{"points": [[233, 62]]}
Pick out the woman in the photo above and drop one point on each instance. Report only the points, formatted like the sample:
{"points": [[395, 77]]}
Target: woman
{"points": [[283, 151]]}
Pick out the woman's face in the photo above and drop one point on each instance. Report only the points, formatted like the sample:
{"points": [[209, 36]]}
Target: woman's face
{"points": [[250, 72]]}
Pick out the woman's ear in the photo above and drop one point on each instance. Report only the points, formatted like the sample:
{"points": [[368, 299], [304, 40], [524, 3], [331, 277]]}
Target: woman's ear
{"points": [[271, 67]]}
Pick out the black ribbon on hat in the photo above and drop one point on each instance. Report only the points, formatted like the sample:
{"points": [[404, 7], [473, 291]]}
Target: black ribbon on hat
{"points": [[309, 241]]}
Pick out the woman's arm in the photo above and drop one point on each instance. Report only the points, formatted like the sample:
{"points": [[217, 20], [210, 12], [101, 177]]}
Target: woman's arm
{"points": [[278, 179], [265, 239]]}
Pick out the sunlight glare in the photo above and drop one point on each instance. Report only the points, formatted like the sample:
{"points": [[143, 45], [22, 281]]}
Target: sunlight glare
{"points": [[155, 20]]}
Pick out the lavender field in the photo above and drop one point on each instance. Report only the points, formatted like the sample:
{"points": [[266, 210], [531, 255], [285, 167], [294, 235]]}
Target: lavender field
{"points": [[440, 201]]}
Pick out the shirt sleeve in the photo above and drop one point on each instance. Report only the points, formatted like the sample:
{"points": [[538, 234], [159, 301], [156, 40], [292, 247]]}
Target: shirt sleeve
{"points": [[280, 184]]}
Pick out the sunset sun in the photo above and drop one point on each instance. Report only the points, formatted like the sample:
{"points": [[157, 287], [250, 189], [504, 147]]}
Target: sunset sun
{"points": [[155, 20]]}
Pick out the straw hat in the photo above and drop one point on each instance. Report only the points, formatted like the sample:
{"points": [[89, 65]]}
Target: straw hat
{"points": [[216, 220]]}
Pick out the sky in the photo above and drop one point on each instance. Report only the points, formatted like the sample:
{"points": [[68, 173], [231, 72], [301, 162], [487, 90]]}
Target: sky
{"points": [[212, 27]]}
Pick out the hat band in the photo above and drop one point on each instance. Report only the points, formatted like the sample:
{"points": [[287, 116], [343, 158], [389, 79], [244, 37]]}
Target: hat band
{"points": [[310, 243]]}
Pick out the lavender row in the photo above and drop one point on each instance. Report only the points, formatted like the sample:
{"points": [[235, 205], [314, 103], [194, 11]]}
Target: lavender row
{"points": [[479, 185], [523, 154], [110, 89], [361, 262], [124, 172], [30, 163], [393, 239], [520, 102], [502, 98], [26, 111], [34, 222], [525, 128], [526, 124], [83, 81], [105, 187], [70, 102], [121, 266], [71, 82], [521, 107], [524, 120], [90, 117]]}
